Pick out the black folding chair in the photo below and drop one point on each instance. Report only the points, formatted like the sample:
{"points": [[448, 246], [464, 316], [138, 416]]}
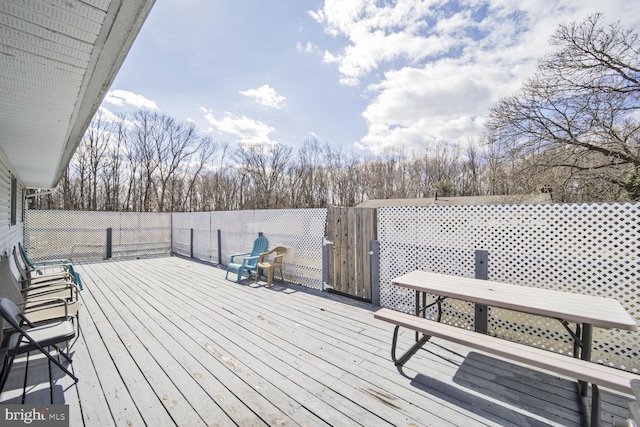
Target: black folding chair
{"points": [[33, 338]]}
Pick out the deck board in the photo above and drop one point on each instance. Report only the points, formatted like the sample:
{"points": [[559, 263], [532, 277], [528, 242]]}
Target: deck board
{"points": [[168, 341]]}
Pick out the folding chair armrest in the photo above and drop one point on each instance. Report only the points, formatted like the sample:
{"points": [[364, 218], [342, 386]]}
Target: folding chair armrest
{"points": [[62, 275], [43, 286], [52, 262], [45, 303], [41, 282], [41, 301], [64, 266]]}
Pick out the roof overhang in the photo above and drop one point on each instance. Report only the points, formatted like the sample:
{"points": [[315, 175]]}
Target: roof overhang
{"points": [[57, 61]]}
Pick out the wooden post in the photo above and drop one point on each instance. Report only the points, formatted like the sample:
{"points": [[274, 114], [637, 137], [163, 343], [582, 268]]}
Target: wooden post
{"points": [[482, 272]]}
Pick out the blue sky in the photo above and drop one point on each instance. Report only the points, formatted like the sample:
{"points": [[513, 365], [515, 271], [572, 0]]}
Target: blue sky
{"points": [[363, 74]]}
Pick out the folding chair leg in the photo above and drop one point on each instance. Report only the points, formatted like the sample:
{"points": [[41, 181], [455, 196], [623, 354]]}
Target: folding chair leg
{"points": [[59, 365], [6, 369], [50, 357], [66, 356], [51, 381], [77, 322]]}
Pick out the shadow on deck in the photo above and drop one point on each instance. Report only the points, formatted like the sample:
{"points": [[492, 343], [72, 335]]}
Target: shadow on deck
{"points": [[168, 341]]}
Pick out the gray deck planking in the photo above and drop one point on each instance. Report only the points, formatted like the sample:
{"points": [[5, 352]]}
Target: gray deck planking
{"points": [[364, 393], [168, 341], [230, 349], [373, 376]]}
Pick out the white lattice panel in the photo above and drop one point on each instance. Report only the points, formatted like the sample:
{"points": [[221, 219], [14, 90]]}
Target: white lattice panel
{"points": [[83, 235], [300, 230], [583, 248]]}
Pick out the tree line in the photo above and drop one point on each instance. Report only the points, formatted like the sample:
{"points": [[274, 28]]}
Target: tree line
{"points": [[574, 128], [148, 162]]}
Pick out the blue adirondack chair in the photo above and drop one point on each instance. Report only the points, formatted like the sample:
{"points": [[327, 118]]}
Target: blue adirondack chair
{"points": [[250, 260]]}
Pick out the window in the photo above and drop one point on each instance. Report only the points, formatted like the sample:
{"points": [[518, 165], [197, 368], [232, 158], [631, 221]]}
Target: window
{"points": [[14, 200]]}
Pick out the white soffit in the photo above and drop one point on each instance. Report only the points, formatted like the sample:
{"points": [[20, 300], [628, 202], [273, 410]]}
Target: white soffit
{"points": [[57, 60]]}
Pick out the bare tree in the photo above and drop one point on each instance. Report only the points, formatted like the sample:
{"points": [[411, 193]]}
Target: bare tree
{"points": [[111, 175], [262, 170], [149, 162], [308, 178], [145, 131], [203, 152], [579, 112], [469, 181]]}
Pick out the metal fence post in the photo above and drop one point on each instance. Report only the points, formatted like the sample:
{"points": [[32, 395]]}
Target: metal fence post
{"points": [[219, 247], [191, 244], [325, 263], [375, 272], [482, 272], [109, 242]]}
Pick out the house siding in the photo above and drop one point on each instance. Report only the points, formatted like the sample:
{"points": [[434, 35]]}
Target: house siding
{"points": [[10, 235]]}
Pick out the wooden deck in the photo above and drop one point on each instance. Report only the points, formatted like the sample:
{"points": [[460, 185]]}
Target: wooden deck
{"points": [[168, 341]]}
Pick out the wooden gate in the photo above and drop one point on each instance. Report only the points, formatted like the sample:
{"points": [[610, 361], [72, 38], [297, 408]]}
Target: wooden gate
{"points": [[351, 230]]}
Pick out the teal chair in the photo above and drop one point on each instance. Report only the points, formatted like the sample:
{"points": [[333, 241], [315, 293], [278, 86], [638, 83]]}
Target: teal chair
{"points": [[250, 260], [64, 264]]}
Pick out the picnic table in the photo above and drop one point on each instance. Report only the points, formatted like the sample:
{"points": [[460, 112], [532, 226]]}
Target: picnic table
{"points": [[583, 311], [586, 311]]}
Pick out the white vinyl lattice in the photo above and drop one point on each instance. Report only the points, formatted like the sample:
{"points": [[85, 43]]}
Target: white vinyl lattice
{"points": [[299, 230], [83, 235], [582, 248]]}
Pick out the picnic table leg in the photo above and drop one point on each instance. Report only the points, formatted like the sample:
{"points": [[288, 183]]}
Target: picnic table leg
{"points": [[577, 341], [585, 353], [417, 313], [592, 417], [420, 308], [399, 361]]}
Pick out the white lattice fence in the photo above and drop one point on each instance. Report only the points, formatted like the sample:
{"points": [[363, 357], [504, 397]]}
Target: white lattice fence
{"points": [[300, 230], [200, 222], [583, 248], [83, 235]]}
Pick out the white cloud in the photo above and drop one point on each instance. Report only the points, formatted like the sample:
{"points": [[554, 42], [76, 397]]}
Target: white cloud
{"points": [[247, 131], [438, 102], [107, 115], [122, 97], [377, 34], [318, 16], [433, 71], [307, 48], [266, 95]]}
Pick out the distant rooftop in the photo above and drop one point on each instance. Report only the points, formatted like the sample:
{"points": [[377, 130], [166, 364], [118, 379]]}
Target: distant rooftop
{"points": [[460, 201]]}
